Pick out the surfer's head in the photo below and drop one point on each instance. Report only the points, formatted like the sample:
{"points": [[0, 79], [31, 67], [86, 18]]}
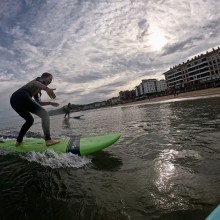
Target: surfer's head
{"points": [[47, 78]]}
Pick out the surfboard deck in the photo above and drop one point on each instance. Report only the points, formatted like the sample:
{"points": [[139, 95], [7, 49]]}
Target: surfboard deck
{"points": [[76, 145]]}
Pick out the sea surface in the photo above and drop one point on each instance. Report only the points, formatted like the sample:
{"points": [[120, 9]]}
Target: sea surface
{"points": [[166, 165]]}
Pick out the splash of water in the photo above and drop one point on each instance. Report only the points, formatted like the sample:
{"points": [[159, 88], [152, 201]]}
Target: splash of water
{"points": [[53, 159]]}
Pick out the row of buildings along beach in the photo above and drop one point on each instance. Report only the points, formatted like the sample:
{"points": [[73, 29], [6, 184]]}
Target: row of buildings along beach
{"points": [[200, 72]]}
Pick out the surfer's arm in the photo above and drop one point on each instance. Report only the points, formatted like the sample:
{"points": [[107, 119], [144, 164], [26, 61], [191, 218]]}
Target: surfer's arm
{"points": [[38, 100], [49, 103], [41, 86]]}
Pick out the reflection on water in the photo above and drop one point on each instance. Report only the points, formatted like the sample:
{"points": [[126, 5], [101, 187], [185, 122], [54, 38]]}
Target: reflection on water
{"points": [[66, 123], [165, 170], [164, 166]]}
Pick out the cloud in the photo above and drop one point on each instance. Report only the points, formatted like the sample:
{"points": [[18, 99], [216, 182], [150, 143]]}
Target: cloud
{"points": [[97, 48]]}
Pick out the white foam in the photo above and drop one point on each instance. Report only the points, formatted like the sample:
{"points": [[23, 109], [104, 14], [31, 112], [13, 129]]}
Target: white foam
{"points": [[56, 160], [3, 152]]}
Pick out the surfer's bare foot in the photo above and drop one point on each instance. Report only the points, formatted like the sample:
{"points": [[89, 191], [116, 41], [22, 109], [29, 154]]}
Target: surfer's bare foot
{"points": [[51, 142], [18, 144]]}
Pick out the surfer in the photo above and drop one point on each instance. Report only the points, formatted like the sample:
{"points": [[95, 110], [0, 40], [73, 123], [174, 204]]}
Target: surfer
{"points": [[22, 102], [67, 109]]}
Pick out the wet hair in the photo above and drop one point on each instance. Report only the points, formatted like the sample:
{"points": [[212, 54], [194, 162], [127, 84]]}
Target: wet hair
{"points": [[44, 75]]}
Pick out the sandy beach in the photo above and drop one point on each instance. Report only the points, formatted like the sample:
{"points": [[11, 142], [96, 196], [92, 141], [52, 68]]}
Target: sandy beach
{"points": [[197, 93]]}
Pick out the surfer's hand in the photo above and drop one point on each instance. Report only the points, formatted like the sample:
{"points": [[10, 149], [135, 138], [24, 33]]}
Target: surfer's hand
{"points": [[54, 104], [50, 93]]}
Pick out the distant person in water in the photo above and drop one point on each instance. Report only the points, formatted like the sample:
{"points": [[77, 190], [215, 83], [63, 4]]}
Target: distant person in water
{"points": [[22, 102], [67, 109]]}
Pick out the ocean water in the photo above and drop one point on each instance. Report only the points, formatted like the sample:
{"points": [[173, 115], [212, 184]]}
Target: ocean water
{"points": [[166, 165]]}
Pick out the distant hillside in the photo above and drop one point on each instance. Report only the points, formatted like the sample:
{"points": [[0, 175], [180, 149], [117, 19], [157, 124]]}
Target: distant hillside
{"points": [[59, 111], [56, 112]]}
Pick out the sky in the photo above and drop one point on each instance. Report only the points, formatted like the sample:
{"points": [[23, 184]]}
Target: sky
{"points": [[97, 48]]}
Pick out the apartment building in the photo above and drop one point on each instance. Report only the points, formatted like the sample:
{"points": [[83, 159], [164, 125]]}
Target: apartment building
{"points": [[161, 85], [126, 95], [200, 70], [150, 86]]}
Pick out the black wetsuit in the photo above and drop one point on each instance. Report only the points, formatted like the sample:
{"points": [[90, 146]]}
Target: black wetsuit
{"points": [[22, 102]]}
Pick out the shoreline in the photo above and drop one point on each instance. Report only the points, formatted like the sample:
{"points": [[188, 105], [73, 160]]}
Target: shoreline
{"points": [[191, 94]]}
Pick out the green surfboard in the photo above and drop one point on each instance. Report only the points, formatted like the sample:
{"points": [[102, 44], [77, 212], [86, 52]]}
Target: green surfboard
{"points": [[76, 145]]}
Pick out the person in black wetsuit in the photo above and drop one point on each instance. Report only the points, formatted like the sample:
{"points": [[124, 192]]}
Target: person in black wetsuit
{"points": [[22, 102]]}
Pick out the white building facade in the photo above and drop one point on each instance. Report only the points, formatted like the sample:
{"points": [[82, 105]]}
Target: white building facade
{"points": [[161, 85], [200, 69], [150, 86]]}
